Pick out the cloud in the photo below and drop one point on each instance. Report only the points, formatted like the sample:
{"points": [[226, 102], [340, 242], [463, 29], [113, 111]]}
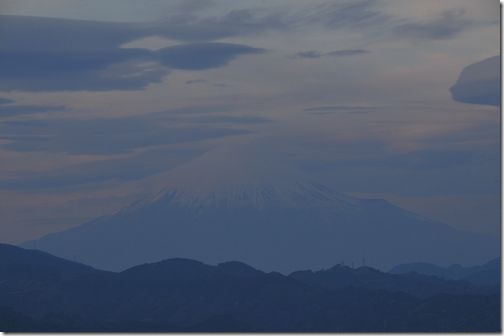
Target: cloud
{"points": [[201, 56], [221, 85], [131, 168], [188, 110], [30, 34], [6, 101], [202, 81], [479, 83], [347, 52], [54, 54], [355, 14], [328, 110], [336, 53], [222, 119], [238, 22], [196, 81], [54, 67], [373, 17], [421, 160], [43, 54], [123, 135], [8, 108], [15, 110], [119, 69], [200, 115], [450, 24], [115, 76], [184, 24], [102, 136], [308, 54], [190, 6], [369, 167]]}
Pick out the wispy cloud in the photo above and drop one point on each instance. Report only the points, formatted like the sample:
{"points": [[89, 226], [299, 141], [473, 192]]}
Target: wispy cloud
{"points": [[8, 108], [335, 53], [196, 81], [131, 168], [356, 14], [329, 110], [6, 101], [448, 25], [122, 135]]}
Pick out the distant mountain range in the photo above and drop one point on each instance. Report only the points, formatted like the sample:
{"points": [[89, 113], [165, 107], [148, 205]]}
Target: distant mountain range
{"points": [[268, 217], [41, 292], [487, 274]]}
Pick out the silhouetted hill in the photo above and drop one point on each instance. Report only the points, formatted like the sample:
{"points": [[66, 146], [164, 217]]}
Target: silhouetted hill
{"points": [[486, 274], [420, 285], [239, 269], [189, 296], [33, 265]]}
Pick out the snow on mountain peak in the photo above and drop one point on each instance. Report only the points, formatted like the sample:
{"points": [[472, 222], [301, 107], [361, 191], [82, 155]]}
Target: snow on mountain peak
{"points": [[232, 176]]}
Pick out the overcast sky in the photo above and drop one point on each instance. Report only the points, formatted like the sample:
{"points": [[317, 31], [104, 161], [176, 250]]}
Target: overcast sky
{"points": [[390, 99]]}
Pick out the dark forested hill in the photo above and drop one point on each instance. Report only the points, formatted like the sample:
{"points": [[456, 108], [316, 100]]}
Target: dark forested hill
{"points": [[39, 292]]}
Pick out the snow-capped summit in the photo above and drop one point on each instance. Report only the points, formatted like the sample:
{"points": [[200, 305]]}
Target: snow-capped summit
{"points": [[245, 176]]}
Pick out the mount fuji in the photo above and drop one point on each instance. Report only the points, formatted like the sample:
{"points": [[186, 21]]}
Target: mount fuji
{"points": [[265, 215]]}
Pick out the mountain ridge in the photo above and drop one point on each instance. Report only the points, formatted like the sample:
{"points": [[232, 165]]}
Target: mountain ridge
{"points": [[486, 274], [184, 295]]}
